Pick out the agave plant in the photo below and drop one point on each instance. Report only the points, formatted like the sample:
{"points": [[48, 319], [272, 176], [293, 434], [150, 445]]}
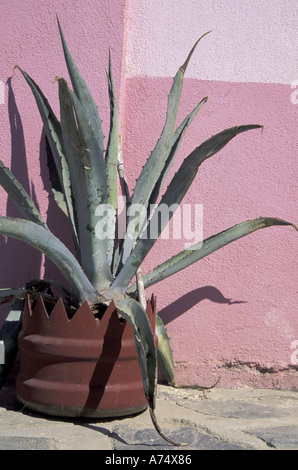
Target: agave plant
{"points": [[84, 182]]}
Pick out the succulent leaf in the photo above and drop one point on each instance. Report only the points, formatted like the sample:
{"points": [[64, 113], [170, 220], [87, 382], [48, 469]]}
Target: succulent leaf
{"points": [[184, 66], [82, 92], [185, 175], [111, 160], [173, 197], [89, 188], [56, 156], [164, 351], [175, 144], [198, 251], [136, 316], [43, 240], [154, 165], [19, 196], [8, 295]]}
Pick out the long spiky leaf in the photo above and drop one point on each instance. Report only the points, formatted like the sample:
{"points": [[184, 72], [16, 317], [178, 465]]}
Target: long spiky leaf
{"points": [[172, 197], [111, 161], [19, 196], [82, 91], [202, 249], [154, 166], [53, 132], [175, 144], [164, 351], [44, 240], [136, 316], [87, 170], [132, 311]]}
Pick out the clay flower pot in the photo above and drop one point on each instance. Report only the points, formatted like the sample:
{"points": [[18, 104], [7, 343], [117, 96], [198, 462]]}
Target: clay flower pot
{"points": [[77, 367]]}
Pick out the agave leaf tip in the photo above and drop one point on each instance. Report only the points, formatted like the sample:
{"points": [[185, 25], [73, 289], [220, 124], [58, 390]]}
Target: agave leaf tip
{"points": [[57, 79], [184, 66]]}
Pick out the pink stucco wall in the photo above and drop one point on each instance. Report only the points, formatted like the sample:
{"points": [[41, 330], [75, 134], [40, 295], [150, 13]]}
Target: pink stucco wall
{"points": [[234, 314]]}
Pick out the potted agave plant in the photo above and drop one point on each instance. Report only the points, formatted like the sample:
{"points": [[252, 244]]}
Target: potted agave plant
{"points": [[93, 350]]}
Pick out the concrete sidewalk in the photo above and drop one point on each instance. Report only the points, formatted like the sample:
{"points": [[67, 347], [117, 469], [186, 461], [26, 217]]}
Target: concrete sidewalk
{"points": [[217, 420]]}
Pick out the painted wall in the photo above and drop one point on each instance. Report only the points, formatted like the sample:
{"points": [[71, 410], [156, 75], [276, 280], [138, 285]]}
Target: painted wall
{"points": [[234, 314]]}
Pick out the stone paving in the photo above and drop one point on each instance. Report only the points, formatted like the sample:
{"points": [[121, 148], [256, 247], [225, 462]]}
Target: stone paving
{"points": [[221, 419]]}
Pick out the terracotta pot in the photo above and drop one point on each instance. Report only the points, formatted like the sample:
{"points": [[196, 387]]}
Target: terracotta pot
{"points": [[75, 367]]}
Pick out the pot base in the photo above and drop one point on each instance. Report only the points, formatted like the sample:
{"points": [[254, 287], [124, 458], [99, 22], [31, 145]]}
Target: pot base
{"points": [[77, 412]]}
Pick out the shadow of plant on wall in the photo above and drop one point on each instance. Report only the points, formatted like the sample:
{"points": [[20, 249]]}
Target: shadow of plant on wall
{"points": [[12, 251], [192, 298]]}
